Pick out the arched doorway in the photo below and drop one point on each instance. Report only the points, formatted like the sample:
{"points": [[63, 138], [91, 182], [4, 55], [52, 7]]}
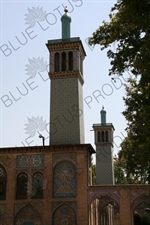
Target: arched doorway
{"points": [[28, 216], [104, 210], [141, 214], [141, 210]]}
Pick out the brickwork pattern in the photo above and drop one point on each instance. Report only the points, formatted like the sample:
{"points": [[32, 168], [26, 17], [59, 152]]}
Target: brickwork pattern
{"points": [[125, 197], [43, 209]]}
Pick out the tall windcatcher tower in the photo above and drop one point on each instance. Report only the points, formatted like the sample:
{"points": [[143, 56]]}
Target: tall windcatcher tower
{"points": [[66, 74], [103, 133]]}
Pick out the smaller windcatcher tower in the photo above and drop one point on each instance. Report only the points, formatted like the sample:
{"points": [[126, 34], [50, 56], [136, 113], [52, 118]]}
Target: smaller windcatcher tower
{"points": [[103, 134]]}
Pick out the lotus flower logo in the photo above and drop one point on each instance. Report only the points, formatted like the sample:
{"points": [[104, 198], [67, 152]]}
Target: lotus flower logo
{"points": [[35, 124], [35, 15], [37, 185], [35, 66]]}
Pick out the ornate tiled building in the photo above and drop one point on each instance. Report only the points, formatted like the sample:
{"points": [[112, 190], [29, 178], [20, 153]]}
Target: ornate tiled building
{"points": [[52, 185]]}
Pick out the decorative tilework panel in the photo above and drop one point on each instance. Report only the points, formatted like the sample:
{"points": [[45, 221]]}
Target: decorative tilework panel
{"points": [[64, 157], [64, 215], [112, 193], [64, 180], [38, 206], [30, 161], [73, 205], [5, 160]]}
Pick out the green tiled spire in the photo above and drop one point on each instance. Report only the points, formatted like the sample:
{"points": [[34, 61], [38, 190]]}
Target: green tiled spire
{"points": [[66, 20], [103, 116]]}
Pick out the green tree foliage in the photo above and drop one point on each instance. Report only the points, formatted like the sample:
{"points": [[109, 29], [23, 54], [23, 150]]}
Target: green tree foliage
{"points": [[119, 171], [129, 30], [136, 146], [93, 174], [93, 166]]}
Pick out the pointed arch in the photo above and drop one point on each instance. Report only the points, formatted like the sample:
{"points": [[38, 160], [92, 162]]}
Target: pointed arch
{"points": [[63, 61], [102, 136], [64, 215], [57, 61], [37, 185], [28, 215], [98, 136], [3, 181], [141, 210], [103, 207], [143, 198], [70, 60], [106, 136], [22, 182], [64, 180]]}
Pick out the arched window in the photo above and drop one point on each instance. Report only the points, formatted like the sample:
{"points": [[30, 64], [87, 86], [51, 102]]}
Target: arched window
{"points": [[102, 136], [64, 180], [63, 63], [37, 185], [57, 61], [98, 136], [22, 182], [106, 135], [64, 215], [70, 61], [3, 179], [141, 211]]}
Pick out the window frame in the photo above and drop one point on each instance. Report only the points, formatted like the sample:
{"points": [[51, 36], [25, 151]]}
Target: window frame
{"points": [[19, 186], [37, 196]]}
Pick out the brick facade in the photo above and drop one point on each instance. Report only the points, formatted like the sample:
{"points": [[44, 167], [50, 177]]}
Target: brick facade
{"points": [[86, 205], [17, 160], [124, 198]]}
